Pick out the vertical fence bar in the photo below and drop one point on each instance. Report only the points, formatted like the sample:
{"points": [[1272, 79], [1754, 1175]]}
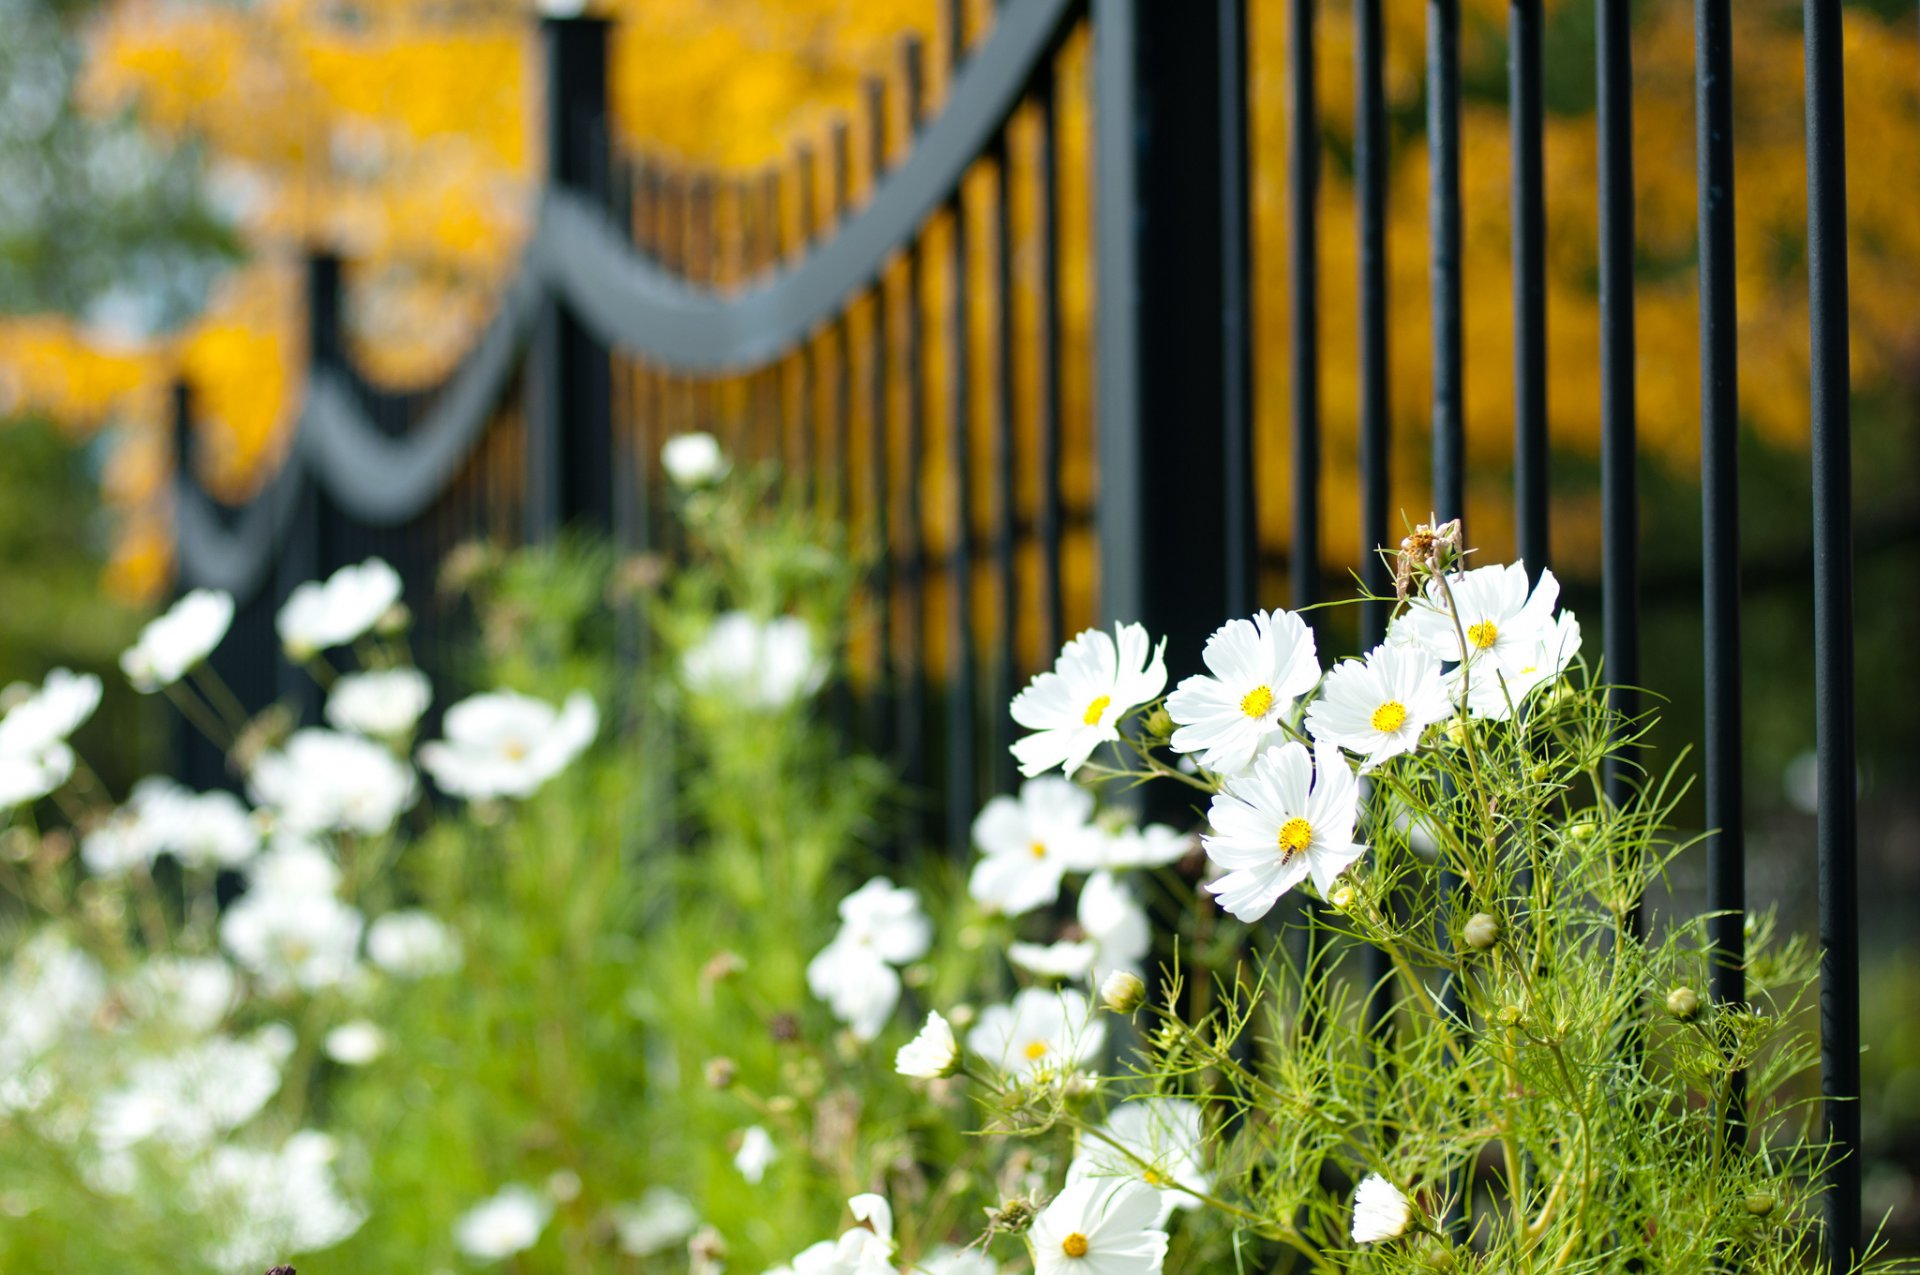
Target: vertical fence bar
{"points": [[1619, 532], [1524, 108], [879, 444], [841, 164], [805, 425], [1241, 546], [1303, 302], [771, 407], [913, 703], [1443, 215], [1048, 432], [1001, 769], [962, 691], [1720, 514], [1833, 623]]}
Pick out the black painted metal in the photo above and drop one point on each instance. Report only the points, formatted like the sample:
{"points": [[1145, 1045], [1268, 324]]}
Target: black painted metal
{"points": [[1303, 302], [1241, 545], [913, 558], [803, 426], [1524, 106], [1006, 497], [842, 192], [1833, 623], [962, 756], [1443, 215], [1048, 432], [880, 453]]}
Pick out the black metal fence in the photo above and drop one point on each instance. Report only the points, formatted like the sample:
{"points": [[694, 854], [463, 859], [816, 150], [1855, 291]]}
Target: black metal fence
{"points": [[844, 313]]}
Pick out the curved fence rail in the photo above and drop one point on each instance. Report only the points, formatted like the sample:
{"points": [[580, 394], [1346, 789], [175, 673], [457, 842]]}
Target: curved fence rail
{"points": [[920, 321]]}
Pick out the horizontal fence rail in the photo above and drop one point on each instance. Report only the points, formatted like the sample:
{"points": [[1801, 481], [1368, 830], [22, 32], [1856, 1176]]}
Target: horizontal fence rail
{"points": [[999, 320]]}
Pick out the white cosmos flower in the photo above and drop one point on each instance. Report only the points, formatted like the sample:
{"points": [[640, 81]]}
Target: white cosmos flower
{"points": [[274, 1202], [47, 716], [1501, 620], [319, 616], [413, 944], [1043, 1032], [1380, 1211], [130, 837], [857, 985], [355, 1043], [1494, 690], [1278, 823], [764, 665], [1116, 937], [1072, 710], [188, 1099], [48, 988], [1164, 1135], [1379, 708], [948, 1260], [693, 460], [1028, 843], [881, 926], [932, 1054], [205, 830], [173, 643], [659, 1220], [1259, 667], [26, 777], [324, 781], [288, 929], [1154, 846], [1099, 1227], [506, 1223], [193, 993], [756, 1154], [385, 704], [505, 744], [858, 1251]]}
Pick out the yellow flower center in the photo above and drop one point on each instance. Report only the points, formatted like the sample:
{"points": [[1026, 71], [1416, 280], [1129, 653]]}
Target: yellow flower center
{"points": [[515, 749], [1257, 701], [1074, 1245], [1484, 634], [1038, 849], [1036, 1050], [1152, 1177], [1390, 716], [1095, 709], [1295, 835]]}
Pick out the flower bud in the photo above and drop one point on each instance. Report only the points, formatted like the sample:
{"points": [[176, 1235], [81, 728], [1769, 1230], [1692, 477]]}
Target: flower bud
{"points": [[1456, 731], [1760, 1203], [1482, 931], [1684, 1004], [720, 1073], [1123, 992], [1584, 830], [1342, 897], [1509, 1016], [1441, 1259], [1159, 724]]}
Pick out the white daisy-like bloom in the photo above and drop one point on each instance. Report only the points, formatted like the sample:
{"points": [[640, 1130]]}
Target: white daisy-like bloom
{"points": [[1279, 823], [47, 988], [204, 830], [505, 744], [1380, 1211], [175, 642], [932, 1054], [763, 665], [413, 944], [693, 460], [881, 926], [1500, 618], [345, 608], [1256, 669], [193, 993], [859, 987], [130, 837], [1099, 1227], [1380, 707], [385, 704], [1029, 843], [1164, 1135], [1042, 1033], [26, 777], [355, 1043], [863, 1250], [288, 929], [273, 1202], [1116, 933], [1067, 959], [324, 781], [48, 715], [188, 1099], [660, 1219], [505, 1223], [1154, 846], [756, 1154], [1077, 706], [1495, 690], [948, 1260]]}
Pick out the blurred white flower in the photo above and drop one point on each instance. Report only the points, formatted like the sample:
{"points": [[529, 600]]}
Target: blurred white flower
{"points": [[1103, 1227], [193, 993], [324, 781], [1164, 1135], [1077, 706], [1027, 844], [1380, 1211], [1279, 823], [1116, 936], [505, 744], [755, 664], [861, 1250], [355, 1043], [1258, 668], [203, 830], [288, 929], [756, 1153], [1380, 707], [1154, 846], [1496, 688], [28, 777], [1041, 1032], [345, 608], [413, 944], [931, 1054], [948, 1260], [189, 1098], [173, 643], [274, 1202], [49, 714], [504, 1224], [881, 926], [130, 837], [48, 988], [385, 704], [660, 1219], [693, 460]]}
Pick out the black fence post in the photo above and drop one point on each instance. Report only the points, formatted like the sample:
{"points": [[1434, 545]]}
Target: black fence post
{"points": [[1162, 340], [311, 540], [569, 429]]}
